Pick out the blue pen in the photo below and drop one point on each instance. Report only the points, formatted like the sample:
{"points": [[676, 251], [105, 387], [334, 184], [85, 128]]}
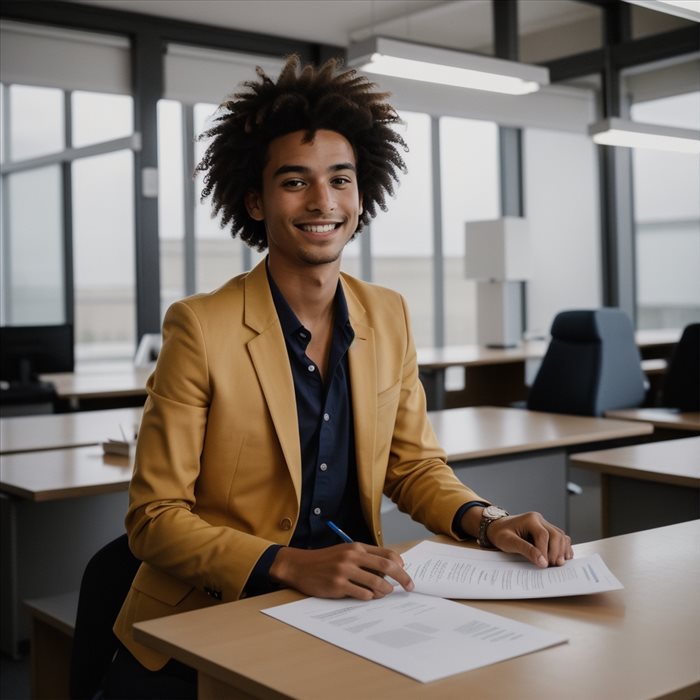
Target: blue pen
{"points": [[343, 536]]}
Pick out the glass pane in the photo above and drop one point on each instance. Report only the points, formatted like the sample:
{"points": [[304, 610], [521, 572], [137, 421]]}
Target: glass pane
{"points": [[219, 257], [101, 117], [402, 238], [171, 192], [103, 256], [36, 121], [32, 249], [469, 166], [667, 221]]}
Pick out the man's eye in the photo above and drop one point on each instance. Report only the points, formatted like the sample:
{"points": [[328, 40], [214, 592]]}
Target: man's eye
{"points": [[341, 181], [293, 184]]}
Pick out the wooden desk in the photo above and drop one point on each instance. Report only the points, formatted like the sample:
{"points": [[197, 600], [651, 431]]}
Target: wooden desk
{"points": [[61, 430], [57, 508], [639, 642], [514, 457], [648, 485], [664, 418], [498, 375], [491, 375], [106, 385]]}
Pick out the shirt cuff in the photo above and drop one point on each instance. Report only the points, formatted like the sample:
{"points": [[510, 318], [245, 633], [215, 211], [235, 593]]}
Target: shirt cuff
{"points": [[259, 581], [457, 520]]}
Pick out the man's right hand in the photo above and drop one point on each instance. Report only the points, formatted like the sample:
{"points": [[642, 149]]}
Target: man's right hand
{"points": [[346, 570]]}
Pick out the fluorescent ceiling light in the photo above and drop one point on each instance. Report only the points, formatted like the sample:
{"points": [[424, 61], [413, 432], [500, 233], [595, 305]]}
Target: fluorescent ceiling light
{"points": [[687, 9], [401, 59], [620, 132]]}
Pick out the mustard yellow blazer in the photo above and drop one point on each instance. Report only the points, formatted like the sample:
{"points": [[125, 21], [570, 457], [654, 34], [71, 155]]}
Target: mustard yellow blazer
{"points": [[217, 475]]}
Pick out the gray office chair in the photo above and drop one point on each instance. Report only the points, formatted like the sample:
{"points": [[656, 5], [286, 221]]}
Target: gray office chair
{"points": [[592, 365]]}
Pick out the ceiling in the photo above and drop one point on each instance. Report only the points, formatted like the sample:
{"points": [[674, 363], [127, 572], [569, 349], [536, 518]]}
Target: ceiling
{"points": [[464, 24]]}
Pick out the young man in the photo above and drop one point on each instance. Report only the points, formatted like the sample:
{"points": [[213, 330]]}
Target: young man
{"points": [[290, 396]]}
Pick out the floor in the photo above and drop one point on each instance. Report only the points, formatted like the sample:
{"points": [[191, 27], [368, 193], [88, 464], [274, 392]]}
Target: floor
{"points": [[14, 678]]}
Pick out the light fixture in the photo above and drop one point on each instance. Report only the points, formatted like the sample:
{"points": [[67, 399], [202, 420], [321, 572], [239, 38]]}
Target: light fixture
{"points": [[402, 59], [621, 132], [687, 9]]}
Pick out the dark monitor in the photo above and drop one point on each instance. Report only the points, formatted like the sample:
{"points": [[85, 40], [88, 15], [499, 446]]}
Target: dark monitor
{"points": [[27, 351]]}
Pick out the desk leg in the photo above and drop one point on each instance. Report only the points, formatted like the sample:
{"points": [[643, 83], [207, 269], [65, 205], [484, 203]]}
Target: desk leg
{"points": [[433, 381], [9, 600]]}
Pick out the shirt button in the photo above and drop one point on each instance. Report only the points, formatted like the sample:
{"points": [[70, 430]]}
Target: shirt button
{"points": [[311, 368], [326, 417], [302, 334], [323, 467], [317, 511], [286, 523]]}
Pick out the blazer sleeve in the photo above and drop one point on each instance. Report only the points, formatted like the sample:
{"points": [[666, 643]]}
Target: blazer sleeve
{"points": [[164, 527], [418, 478]]}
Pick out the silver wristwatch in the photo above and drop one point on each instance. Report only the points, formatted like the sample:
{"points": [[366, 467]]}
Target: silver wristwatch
{"points": [[488, 515]]}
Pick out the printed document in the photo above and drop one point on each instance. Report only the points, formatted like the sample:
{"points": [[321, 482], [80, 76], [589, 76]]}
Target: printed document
{"points": [[459, 572], [423, 637]]}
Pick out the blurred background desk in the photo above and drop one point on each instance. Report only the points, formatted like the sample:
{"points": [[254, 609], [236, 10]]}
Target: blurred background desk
{"points": [[101, 386], [666, 421], [639, 642], [645, 486], [515, 458], [64, 430], [500, 376], [57, 508]]}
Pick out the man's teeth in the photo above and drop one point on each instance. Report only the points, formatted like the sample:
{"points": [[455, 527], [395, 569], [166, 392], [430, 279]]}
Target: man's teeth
{"points": [[325, 228]]}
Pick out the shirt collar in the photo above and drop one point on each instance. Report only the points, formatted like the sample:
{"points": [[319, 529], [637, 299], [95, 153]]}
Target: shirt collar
{"points": [[291, 325]]}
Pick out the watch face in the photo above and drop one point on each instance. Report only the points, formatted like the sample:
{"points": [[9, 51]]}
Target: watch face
{"points": [[494, 512]]}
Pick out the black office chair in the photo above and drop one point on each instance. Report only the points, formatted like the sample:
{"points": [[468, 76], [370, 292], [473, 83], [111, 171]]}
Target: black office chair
{"points": [[681, 386], [592, 365], [105, 583]]}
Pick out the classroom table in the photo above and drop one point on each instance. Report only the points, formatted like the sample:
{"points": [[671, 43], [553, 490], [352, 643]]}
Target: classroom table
{"points": [[57, 508], [499, 375], [639, 642], [649, 485], [61, 430], [492, 375], [513, 457], [667, 419]]}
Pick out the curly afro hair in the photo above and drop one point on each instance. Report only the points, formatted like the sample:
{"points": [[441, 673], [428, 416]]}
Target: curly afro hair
{"points": [[303, 99]]}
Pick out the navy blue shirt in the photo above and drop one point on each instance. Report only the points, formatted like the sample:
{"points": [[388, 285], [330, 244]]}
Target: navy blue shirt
{"points": [[329, 488]]}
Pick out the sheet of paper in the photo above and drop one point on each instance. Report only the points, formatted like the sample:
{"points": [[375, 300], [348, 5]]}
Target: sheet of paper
{"points": [[459, 572], [421, 636]]}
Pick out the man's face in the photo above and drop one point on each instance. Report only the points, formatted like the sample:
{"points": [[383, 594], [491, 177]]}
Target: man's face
{"points": [[309, 202]]}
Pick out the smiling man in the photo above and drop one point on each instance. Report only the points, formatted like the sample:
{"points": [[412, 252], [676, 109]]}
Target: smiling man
{"points": [[285, 403]]}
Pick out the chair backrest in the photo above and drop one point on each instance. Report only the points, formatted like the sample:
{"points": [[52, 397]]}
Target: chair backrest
{"points": [[592, 365], [681, 387], [103, 588]]}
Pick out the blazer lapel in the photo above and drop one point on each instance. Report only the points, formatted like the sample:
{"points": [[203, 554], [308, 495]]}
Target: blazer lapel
{"points": [[269, 355], [363, 383]]}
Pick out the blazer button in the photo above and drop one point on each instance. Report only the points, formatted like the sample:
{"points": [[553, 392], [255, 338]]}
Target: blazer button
{"points": [[286, 523]]}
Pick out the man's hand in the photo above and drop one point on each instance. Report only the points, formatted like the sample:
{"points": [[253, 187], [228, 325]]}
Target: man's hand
{"points": [[532, 536], [528, 534], [355, 570]]}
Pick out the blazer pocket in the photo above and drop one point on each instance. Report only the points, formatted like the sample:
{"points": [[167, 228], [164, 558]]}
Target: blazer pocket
{"points": [[161, 586], [389, 395]]}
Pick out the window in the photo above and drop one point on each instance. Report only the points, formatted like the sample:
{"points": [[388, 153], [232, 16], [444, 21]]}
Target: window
{"points": [[36, 121], [667, 220], [402, 237], [103, 245], [470, 192]]}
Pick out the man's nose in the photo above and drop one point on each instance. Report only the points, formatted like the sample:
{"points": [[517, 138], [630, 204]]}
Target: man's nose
{"points": [[321, 198]]}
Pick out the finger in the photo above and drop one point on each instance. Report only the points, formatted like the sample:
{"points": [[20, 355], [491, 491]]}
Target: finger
{"points": [[515, 544], [393, 570]]}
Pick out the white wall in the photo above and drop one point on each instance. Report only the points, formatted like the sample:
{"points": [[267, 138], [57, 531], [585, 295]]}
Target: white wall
{"points": [[562, 208]]}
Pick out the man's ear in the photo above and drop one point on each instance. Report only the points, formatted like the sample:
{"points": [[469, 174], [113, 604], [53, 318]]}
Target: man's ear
{"points": [[362, 209], [254, 206]]}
